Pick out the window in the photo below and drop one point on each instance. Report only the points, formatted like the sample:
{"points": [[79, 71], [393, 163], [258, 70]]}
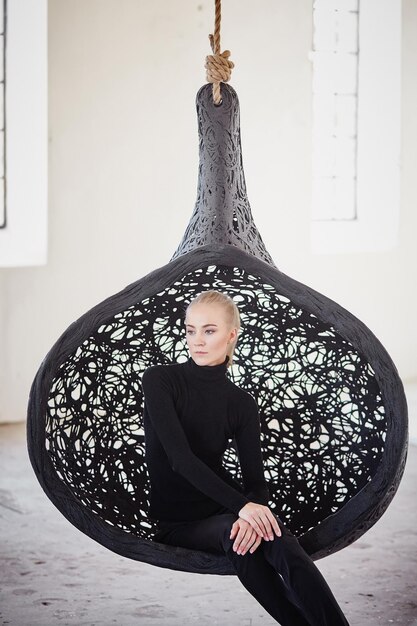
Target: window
{"points": [[2, 114], [23, 218], [356, 125]]}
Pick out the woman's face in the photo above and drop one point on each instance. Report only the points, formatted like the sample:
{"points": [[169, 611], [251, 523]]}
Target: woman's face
{"points": [[208, 335]]}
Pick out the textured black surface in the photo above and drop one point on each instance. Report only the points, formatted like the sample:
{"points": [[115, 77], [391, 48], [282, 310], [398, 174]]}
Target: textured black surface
{"points": [[332, 406], [222, 213]]}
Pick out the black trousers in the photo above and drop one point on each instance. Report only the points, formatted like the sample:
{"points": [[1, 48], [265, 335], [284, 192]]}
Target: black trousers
{"points": [[279, 574]]}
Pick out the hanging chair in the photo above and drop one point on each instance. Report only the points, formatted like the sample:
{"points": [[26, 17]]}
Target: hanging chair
{"points": [[332, 406]]}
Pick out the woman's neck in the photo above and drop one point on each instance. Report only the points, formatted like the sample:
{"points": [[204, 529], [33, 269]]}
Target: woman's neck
{"points": [[208, 372]]}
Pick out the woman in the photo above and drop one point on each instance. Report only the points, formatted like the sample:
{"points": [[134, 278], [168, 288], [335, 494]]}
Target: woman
{"points": [[191, 412]]}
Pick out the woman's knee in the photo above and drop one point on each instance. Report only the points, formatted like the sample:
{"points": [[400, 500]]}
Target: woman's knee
{"points": [[226, 522]]}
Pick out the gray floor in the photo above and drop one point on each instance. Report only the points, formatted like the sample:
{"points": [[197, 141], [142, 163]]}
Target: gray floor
{"points": [[53, 574]]}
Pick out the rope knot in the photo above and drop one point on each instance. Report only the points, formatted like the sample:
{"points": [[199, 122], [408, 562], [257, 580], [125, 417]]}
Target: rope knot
{"points": [[219, 68]]}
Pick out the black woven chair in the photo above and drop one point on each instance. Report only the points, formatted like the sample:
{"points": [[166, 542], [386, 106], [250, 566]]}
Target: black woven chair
{"points": [[332, 406]]}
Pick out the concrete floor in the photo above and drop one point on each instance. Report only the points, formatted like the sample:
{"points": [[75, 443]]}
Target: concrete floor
{"points": [[51, 573]]}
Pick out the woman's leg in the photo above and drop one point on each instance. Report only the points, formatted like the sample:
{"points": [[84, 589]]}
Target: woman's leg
{"points": [[304, 581], [253, 570]]}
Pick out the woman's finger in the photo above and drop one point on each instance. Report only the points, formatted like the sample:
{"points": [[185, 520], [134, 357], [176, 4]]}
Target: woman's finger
{"points": [[274, 523], [256, 544], [253, 513], [258, 525], [239, 536], [247, 540], [242, 538], [277, 526], [270, 523], [251, 537], [234, 528], [258, 517], [249, 517]]}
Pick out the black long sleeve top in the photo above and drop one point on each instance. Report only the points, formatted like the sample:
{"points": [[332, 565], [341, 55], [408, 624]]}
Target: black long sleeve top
{"points": [[190, 413]]}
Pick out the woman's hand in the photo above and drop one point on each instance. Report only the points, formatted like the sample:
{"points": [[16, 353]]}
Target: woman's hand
{"points": [[262, 520], [246, 537]]}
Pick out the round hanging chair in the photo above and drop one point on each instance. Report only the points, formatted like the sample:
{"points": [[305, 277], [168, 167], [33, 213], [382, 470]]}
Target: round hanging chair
{"points": [[332, 406]]}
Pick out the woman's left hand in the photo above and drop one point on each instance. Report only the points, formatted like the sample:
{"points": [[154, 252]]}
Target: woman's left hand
{"points": [[246, 538]]}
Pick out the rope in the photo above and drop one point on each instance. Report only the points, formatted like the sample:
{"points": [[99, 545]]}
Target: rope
{"points": [[219, 68]]}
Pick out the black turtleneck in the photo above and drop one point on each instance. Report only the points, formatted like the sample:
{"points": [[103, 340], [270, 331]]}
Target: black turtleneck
{"points": [[191, 413]]}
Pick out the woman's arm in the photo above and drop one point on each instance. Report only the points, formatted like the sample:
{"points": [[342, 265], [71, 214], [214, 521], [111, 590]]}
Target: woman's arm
{"points": [[164, 418], [248, 440]]}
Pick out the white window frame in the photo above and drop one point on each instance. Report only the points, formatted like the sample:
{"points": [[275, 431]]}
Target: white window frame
{"points": [[23, 239], [375, 225]]}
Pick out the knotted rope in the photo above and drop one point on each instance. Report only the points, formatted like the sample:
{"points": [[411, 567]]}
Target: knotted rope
{"points": [[219, 68]]}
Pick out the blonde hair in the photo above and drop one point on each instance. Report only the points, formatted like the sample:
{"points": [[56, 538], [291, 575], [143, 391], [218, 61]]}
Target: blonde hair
{"points": [[212, 296]]}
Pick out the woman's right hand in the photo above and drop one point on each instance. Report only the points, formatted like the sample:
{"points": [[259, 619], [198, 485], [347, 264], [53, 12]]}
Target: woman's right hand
{"points": [[261, 518]]}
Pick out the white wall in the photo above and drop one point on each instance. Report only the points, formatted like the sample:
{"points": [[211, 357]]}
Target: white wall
{"points": [[123, 161]]}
